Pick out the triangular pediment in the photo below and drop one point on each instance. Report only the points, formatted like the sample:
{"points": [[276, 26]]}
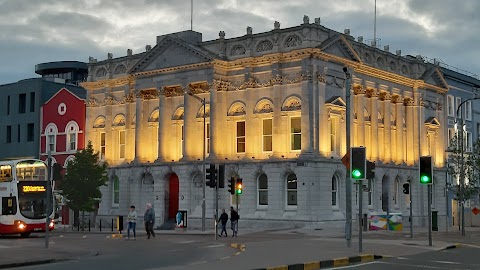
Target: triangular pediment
{"points": [[336, 101], [171, 52], [432, 121], [433, 76], [339, 46]]}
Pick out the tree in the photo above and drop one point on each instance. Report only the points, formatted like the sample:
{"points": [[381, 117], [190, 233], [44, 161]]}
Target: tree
{"points": [[82, 181], [471, 167]]}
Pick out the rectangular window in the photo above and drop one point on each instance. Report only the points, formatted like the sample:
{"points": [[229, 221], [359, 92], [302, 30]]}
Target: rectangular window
{"points": [[451, 136], [468, 141], [334, 191], [267, 135], [334, 145], [263, 190], [73, 141], [468, 110], [32, 101], [458, 101], [292, 190], [121, 143], [22, 99], [51, 142], [451, 105], [102, 146], [8, 105], [181, 143], [296, 133], [18, 133], [30, 130], [116, 191], [241, 137], [9, 134]]}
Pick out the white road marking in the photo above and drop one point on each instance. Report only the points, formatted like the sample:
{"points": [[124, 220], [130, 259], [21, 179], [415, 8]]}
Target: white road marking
{"points": [[214, 246], [419, 266], [224, 258], [186, 242], [447, 262], [355, 265], [200, 262]]}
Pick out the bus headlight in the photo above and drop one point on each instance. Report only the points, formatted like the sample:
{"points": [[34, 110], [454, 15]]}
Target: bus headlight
{"points": [[20, 224], [52, 224]]}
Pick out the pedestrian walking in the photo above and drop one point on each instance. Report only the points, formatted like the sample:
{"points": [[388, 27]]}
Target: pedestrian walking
{"points": [[149, 219], [132, 221], [234, 221], [223, 219]]}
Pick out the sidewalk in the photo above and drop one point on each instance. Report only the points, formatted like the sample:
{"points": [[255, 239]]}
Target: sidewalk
{"points": [[262, 248]]}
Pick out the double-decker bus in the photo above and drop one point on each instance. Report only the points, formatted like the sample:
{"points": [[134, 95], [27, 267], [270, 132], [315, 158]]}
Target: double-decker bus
{"points": [[23, 197]]}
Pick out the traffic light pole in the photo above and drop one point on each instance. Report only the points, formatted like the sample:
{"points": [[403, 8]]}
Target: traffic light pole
{"points": [[204, 172], [49, 196], [360, 213], [429, 190], [411, 209], [216, 206], [348, 184]]}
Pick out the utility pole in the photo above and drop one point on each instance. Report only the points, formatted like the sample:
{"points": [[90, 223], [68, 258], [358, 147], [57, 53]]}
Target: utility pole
{"points": [[49, 196], [348, 183]]}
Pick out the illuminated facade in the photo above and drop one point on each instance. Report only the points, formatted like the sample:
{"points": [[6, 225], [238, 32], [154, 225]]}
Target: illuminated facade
{"points": [[275, 114]]}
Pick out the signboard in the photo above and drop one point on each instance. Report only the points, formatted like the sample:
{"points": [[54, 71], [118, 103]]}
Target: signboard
{"points": [[475, 211], [28, 189], [346, 160]]}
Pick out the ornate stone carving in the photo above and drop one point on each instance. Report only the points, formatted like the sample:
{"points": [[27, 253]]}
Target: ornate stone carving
{"points": [[221, 34], [237, 50], [109, 55], [358, 90], [250, 83], [92, 103], [266, 108], [306, 20], [265, 45], [409, 102], [276, 25], [321, 77], [397, 99], [239, 110], [372, 92], [109, 100], [148, 94], [293, 105], [120, 69], [249, 30], [384, 96], [306, 75], [129, 98], [292, 41], [221, 85], [101, 72], [168, 91], [277, 79]]}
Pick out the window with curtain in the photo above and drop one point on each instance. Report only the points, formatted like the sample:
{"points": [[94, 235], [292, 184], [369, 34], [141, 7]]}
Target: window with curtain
{"points": [[296, 133], [240, 137]]}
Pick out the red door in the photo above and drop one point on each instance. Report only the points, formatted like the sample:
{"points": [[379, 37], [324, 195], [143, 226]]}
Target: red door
{"points": [[173, 197]]}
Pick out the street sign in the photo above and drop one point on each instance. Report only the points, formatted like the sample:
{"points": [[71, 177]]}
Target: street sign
{"points": [[346, 160], [475, 211]]}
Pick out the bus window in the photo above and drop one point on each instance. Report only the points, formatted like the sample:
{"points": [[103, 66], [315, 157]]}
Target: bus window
{"points": [[31, 170], [9, 206], [5, 173]]}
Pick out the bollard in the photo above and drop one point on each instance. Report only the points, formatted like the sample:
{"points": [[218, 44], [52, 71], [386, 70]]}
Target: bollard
{"points": [[89, 225], [112, 224], [100, 224]]}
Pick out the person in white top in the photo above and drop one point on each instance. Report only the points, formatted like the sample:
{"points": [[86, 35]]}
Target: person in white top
{"points": [[132, 221]]}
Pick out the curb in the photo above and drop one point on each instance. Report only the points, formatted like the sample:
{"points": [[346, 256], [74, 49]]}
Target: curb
{"points": [[344, 261], [451, 246], [30, 263]]}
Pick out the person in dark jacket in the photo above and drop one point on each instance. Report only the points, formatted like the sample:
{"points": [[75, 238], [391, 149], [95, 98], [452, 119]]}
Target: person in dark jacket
{"points": [[149, 219], [234, 220], [223, 219]]}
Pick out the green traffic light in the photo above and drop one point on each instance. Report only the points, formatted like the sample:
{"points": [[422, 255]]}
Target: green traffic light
{"points": [[425, 179], [239, 191], [356, 173]]}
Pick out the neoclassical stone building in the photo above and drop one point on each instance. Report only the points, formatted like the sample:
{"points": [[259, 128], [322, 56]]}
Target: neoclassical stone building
{"points": [[275, 115]]}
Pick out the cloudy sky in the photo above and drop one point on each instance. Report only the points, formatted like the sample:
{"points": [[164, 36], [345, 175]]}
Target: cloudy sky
{"points": [[33, 31]]}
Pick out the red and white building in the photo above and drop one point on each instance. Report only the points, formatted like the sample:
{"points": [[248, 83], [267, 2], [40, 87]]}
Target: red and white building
{"points": [[63, 128]]}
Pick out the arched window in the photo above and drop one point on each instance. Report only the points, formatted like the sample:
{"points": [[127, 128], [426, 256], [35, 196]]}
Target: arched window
{"points": [[72, 136], [263, 189], [116, 191], [291, 190], [334, 191], [67, 160], [51, 132]]}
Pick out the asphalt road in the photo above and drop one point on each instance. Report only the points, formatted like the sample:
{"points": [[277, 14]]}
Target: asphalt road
{"points": [[160, 252], [451, 259]]}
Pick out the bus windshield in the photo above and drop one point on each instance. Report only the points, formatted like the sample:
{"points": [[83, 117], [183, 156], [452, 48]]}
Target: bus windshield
{"points": [[32, 198], [32, 188]]}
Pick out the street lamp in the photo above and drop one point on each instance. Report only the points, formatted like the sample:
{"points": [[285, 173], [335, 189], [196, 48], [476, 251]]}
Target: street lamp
{"points": [[462, 172], [202, 100]]}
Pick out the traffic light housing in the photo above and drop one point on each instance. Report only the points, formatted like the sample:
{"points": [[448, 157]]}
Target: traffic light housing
{"points": [[358, 163], [406, 188], [231, 185], [239, 186], [426, 170], [211, 176], [370, 170], [221, 176]]}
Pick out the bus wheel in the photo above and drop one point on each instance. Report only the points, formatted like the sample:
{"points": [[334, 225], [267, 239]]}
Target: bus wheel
{"points": [[25, 234]]}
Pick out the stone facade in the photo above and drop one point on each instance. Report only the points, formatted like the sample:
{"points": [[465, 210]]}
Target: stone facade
{"points": [[275, 109]]}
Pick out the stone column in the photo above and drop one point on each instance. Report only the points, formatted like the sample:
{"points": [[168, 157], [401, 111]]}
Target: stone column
{"points": [[190, 138], [399, 149], [418, 125], [322, 122], [374, 128], [162, 127], [277, 131], [360, 98], [215, 131], [307, 115], [387, 123], [138, 126], [411, 123]]}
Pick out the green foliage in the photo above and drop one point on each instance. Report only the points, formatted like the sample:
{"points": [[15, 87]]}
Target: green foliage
{"points": [[471, 167], [83, 178]]}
